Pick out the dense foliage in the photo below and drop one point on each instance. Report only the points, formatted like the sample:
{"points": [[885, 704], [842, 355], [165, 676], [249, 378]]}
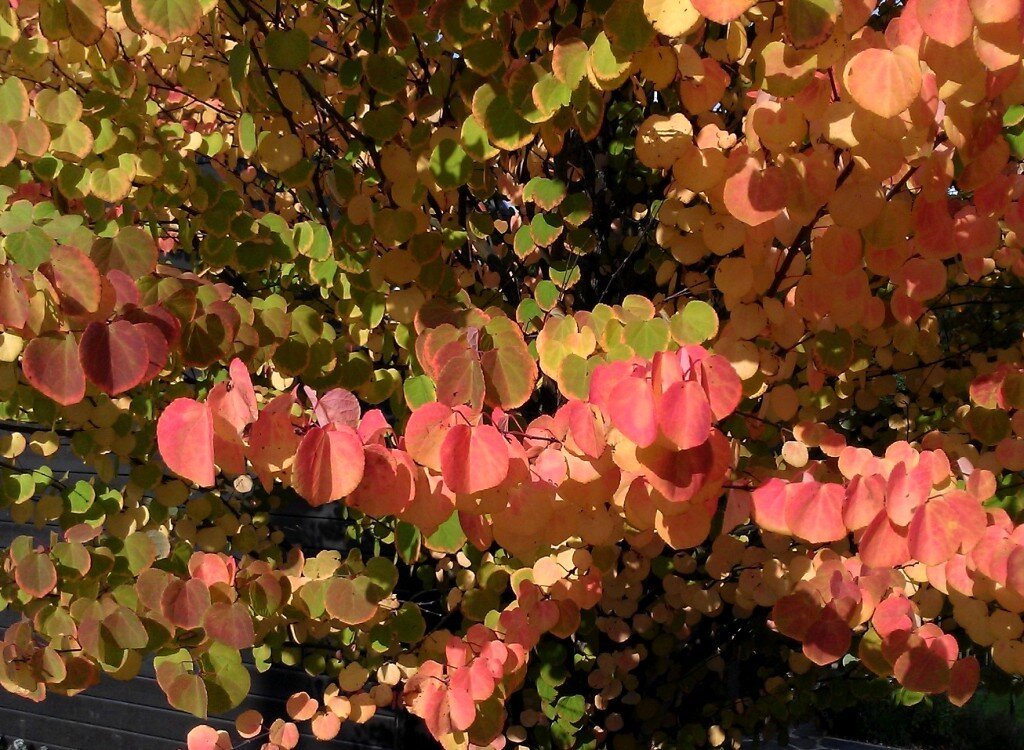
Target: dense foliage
{"points": [[662, 358]]}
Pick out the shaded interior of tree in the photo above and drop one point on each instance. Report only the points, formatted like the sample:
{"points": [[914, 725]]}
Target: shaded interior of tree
{"points": [[134, 714]]}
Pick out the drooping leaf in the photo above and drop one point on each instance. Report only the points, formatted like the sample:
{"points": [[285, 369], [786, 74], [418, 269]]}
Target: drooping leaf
{"points": [[185, 439], [168, 19], [51, 365], [474, 458], [883, 81], [328, 464], [115, 356]]}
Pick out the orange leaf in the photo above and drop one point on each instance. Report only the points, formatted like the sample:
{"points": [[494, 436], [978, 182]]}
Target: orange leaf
{"points": [[883, 81], [754, 193], [328, 464]]}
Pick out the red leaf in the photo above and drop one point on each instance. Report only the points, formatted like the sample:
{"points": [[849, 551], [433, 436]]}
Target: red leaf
{"points": [[272, 439], [230, 624], [894, 614], [125, 291], [157, 349], [52, 367], [211, 568], [328, 464], [631, 409], [184, 436], [35, 574], [828, 639], [684, 415], [425, 432], [474, 679], [205, 737], [13, 297], [388, 485], [794, 614], [963, 680], [769, 502], [462, 709], [76, 279], [474, 459], [583, 428], [905, 492], [922, 669], [865, 497], [425, 695], [185, 603], [684, 530], [114, 356], [233, 402]]}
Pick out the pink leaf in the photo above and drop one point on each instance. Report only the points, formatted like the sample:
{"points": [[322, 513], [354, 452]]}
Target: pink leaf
{"points": [[720, 381], [474, 459], [769, 503], [814, 511], [338, 406], [684, 415], [883, 545], [462, 708], [948, 22], [631, 409], [933, 533], [184, 436]]}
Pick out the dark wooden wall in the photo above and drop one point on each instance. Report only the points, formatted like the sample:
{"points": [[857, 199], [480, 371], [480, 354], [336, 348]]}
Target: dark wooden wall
{"points": [[134, 715]]}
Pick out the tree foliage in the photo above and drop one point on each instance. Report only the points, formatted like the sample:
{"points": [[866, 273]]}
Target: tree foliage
{"points": [[661, 360]]}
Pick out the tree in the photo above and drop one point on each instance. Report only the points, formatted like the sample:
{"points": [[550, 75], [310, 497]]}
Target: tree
{"points": [[662, 358]]}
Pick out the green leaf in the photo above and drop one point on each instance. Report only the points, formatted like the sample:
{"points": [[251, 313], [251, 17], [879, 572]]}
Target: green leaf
{"points": [[419, 390], [288, 49], [449, 536], [450, 164], [545, 192], [13, 101], [168, 19], [695, 323]]}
